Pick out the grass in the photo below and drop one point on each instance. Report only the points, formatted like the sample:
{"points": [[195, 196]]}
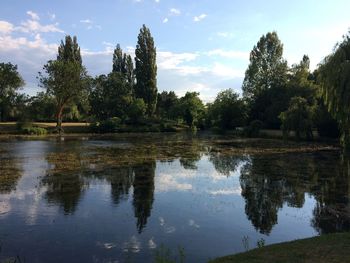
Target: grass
{"points": [[326, 248], [69, 127]]}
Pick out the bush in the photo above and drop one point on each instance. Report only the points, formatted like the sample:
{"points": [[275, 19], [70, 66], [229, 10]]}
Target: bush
{"points": [[34, 131], [108, 126], [136, 110], [253, 130]]}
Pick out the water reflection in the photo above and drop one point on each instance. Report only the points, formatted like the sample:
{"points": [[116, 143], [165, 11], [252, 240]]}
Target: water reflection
{"points": [[143, 192], [269, 182], [65, 183], [116, 194], [10, 171], [332, 191]]}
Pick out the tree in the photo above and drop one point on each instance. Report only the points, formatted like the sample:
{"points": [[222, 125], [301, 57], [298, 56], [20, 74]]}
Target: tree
{"points": [[110, 96], [166, 104], [301, 82], [122, 64], [297, 118], [335, 82], [265, 78], [10, 82], [65, 78], [118, 61], [146, 70], [228, 111], [191, 108], [136, 110]]}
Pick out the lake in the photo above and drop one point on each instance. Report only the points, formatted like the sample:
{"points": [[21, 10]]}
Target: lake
{"points": [[127, 198]]}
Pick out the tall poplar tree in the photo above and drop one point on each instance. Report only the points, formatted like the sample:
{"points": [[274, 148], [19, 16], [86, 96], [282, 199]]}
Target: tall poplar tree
{"points": [[123, 64], [146, 70]]}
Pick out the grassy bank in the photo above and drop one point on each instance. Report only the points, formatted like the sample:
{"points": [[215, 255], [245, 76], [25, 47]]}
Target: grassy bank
{"points": [[321, 249]]}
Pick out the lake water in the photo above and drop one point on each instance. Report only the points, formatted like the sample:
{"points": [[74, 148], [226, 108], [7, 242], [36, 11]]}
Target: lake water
{"points": [[127, 198]]}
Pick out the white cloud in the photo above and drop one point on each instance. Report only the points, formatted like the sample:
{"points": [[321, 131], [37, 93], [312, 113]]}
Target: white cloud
{"points": [[165, 20], [9, 43], [229, 54], [86, 21], [167, 182], [90, 24], [225, 34], [33, 26], [170, 60], [199, 18], [235, 191], [33, 15], [6, 27], [224, 71], [175, 11]]}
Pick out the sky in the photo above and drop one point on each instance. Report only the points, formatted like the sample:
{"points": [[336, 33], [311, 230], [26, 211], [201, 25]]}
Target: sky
{"points": [[202, 45]]}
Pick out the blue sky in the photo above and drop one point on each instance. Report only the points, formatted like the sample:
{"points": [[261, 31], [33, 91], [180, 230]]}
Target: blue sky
{"points": [[201, 45]]}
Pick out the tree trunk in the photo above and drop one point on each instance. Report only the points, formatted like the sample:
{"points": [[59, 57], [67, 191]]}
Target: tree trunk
{"points": [[59, 121]]}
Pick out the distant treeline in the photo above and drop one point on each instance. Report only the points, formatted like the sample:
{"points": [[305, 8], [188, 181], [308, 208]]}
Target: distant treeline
{"points": [[274, 94]]}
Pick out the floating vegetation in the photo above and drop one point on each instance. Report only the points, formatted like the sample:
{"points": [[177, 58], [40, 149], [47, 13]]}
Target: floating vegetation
{"points": [[9, 174]]}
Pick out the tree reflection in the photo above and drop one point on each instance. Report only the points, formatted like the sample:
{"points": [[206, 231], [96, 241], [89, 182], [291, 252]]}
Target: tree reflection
{"points": [[270, 181], [64, 181], [143, 192], [332, 192], [225, 164], [121, 180]]}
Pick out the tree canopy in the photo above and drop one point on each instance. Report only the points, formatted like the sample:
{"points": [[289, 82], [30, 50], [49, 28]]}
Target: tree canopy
{"points": [[335, 81], [10, 82], [65, 78]]}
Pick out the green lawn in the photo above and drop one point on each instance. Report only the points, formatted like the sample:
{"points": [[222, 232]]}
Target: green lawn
{"points": [[69, 127], [326, 248]]}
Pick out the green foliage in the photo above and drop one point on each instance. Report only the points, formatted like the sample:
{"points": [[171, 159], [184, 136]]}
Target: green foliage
{"points": [[146, 70], [10, 82], [122, 63], [191, 109], [265, 80], [326, 125], [34, 131], [267, 68], [253, 129], [334, 74], [167, 103], [65, 78], [111, 96], [29, 129], [41, 107], [137, 110], [228, 111], [111, 125], [297, 118]]}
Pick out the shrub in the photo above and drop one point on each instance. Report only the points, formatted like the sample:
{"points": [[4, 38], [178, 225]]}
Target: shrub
{"points": [[253, 130], [108, 126], [34, 131]]}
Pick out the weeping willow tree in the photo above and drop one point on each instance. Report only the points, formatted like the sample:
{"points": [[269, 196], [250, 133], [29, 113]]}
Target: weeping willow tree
{"points": [[335, 82]]}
